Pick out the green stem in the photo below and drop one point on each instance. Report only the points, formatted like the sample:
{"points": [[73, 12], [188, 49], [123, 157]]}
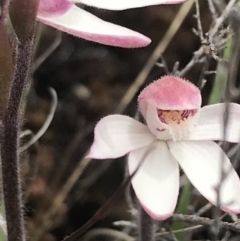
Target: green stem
{"points": [[220, 82]]}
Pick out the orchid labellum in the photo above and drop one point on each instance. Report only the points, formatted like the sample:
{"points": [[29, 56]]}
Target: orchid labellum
{"points": [[66, 16], [178, 132]]}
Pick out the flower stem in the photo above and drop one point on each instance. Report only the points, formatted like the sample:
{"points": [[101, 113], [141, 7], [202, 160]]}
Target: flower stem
{"points": [[146, 226], [10, 145], [22, 15]]}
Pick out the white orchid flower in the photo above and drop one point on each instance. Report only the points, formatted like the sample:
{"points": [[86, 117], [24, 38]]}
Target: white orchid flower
{"points": [[67, 17], [177, 132]]}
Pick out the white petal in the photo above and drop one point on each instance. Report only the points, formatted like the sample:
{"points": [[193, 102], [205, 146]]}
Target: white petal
{"points": [[201, 161], [210, 126], [156, 183], [125, 4], [85, 25], [117, 135]]}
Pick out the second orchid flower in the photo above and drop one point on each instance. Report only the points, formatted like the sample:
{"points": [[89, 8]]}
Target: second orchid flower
{"points": [[67, 17]]}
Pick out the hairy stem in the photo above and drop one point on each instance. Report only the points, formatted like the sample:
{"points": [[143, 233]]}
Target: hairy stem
{"points": [[10, 145], [22, 15], [146, 226]]}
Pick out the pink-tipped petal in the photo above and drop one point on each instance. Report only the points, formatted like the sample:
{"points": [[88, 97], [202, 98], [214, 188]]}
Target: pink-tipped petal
{"points": [[124, 4], [156, 183], [53, 7], [85, 25], [170, 93], [211, 123], [117, 135], [202, 163]]}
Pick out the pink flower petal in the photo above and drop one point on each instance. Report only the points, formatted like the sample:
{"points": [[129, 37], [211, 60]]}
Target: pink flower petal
{"points": [[124, 4], [201, 161], [53, 7], [156, 183], [82, 24], [117, 135], [170, 93], [211, 124]]}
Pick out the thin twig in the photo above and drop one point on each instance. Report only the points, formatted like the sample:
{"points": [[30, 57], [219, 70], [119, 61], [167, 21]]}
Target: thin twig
{"points": [[47, 122], [189, 229], [56, 42], [212, 9], [197, 58], [235, 227], [221, 19], [203, 209], [200, 31], [107, 232]]}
